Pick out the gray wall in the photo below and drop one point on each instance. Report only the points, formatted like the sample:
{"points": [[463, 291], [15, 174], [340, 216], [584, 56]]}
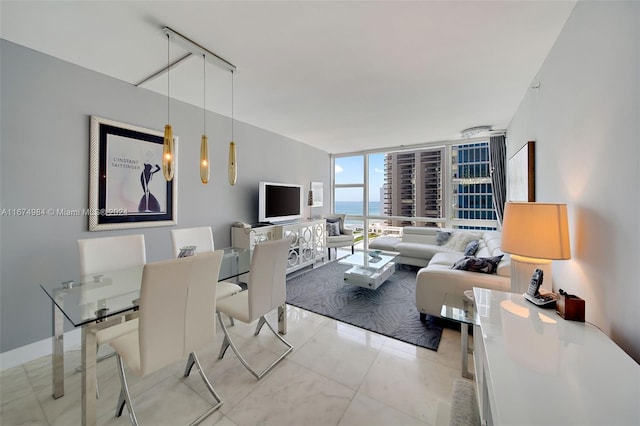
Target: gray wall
{"points": [[585, 119], [44, 153]]}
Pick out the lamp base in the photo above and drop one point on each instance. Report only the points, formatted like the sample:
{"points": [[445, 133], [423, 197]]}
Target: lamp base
{"points": [[522, 269]]}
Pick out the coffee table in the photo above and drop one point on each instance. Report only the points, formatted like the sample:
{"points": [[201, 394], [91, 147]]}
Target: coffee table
{"points": [[459, 308], [367, 271]]}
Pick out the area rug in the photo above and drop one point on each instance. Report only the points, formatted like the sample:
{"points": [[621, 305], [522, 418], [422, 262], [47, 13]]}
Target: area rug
{"points": [[390, 310]]}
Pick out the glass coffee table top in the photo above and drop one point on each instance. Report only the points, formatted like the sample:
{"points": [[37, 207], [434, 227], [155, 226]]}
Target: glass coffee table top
{"points": [[368, 271], [365, 261]]}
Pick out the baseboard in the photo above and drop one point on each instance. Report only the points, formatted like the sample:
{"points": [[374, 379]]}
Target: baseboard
{"points": [[23, 354]]}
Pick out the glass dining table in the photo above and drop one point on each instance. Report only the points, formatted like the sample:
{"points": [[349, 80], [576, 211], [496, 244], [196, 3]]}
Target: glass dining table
{"points": [[104, 300]]}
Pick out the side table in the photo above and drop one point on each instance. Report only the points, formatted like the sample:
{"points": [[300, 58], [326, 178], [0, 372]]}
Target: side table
{"points": [[459, 308]]}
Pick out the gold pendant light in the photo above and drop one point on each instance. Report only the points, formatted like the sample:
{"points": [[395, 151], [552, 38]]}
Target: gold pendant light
{"points": [[168, 159], [204, 159], [168, 154], [233, 165], [204, 143]]}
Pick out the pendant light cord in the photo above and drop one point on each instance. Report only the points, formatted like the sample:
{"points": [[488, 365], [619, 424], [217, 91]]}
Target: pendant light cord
{"points": [[168, 68], [204, 95], [231, 105]]}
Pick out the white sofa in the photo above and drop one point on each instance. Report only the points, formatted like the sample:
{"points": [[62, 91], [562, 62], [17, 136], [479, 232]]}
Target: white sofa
{"points": [[416, 247], [436, 278]]}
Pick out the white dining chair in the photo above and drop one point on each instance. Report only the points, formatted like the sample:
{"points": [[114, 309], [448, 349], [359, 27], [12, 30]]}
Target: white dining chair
{"points": [[177, 301], [266, 291], [102, 255], [202, 239], [99, 255]]}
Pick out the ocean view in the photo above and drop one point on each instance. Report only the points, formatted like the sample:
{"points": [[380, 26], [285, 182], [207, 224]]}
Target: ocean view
{"points": [[356, 207]]}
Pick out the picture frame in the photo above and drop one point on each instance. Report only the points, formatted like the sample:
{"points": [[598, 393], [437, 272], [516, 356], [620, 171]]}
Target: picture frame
{"points": [[126, 186], [522, 174]]}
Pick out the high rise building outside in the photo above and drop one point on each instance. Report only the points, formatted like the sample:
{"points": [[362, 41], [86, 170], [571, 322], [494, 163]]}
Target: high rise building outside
{"points": [[414, 187], [413, 184]]}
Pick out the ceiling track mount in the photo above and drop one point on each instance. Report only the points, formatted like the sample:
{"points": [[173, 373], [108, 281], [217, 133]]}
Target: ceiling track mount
{"points": [[193, 48], [198, 49]]}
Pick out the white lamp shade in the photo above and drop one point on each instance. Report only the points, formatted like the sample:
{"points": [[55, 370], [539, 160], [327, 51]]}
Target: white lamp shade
{"points": [[536, 230]]}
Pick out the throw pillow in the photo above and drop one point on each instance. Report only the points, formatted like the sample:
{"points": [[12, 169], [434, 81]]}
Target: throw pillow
{"points": [[460, 239], [442, 237], [337, 220], [333, 229], [472, 248], [187, 251], [487, 265]]}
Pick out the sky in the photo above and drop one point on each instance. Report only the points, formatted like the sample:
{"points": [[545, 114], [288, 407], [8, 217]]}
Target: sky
{"points": [[351, 170]]}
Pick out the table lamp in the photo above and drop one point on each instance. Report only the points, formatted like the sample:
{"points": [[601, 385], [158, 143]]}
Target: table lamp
{"points": [[310, 203], [534, 234]]}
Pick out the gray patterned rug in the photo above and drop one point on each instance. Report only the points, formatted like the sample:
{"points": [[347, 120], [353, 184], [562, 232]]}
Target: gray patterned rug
{"points": [[390, 310]]}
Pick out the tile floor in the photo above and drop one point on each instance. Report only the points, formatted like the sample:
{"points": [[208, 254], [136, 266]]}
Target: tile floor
{"points": [[337, 375]]}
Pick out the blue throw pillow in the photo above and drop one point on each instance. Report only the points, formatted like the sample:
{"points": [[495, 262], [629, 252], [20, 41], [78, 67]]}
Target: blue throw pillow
{"points": [[333, 229], [487, 265], [442, 237], [472, 248], [338, 221]]}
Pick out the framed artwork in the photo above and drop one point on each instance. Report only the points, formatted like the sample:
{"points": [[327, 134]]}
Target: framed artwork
{"points": [[521, 174], [126, 186]]}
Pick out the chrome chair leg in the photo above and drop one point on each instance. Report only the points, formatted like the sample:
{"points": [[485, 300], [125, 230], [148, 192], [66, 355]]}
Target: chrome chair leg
{"points": [[190, 362], [125, 397], [261, 322], [219, 402], [228, 342]]}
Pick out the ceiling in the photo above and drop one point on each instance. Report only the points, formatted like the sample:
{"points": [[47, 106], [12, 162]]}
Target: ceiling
{"points": [[342, 76]]}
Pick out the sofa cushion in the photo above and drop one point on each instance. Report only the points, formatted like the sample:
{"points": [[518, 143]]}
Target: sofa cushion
{"points": [[460, 239], [421, 251], [487, 265], [419, 234], [445, 258], [385, 242], [504, 267], [340, 239]]}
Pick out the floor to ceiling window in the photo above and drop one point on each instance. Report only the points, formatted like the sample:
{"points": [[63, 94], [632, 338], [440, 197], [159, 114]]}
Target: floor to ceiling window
{"points": [[445, 186], [471, 198]]}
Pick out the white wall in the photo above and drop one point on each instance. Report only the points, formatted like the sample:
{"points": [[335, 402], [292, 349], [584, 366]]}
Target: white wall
{"points": [[585, 119]]}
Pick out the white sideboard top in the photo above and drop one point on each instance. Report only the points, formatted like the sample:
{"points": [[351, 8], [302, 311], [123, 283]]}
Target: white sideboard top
{"points": [[541, 369]]}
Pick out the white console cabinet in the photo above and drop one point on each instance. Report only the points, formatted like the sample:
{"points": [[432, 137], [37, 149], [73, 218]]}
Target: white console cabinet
{"points": [[308, 240], [535, 368], [247, 238]]}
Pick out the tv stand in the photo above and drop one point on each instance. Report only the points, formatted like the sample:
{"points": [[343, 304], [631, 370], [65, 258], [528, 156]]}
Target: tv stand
{"points": [[308, 239], [261, 224]]}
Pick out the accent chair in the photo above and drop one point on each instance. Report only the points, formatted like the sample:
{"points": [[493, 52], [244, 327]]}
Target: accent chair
{"points": [[337, 235]]}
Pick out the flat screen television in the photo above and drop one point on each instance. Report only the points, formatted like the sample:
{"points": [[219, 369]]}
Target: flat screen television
{"points": [[280, 202]]}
